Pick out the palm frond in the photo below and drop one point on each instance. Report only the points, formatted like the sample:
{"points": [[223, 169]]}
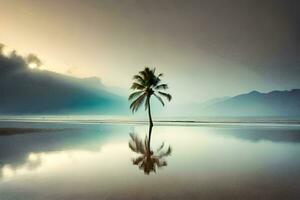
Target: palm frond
{"points": [[160, 99], [161, 147], [137, 160], [136, 144], [160, 163], [135, 94], [133, 143], [162, 86], [145, 73], [133, 147], [166, 153], [156, 81], [166, 95], [132, 136], [137, 86], [135, 105], [147, 105], [139, 79]]}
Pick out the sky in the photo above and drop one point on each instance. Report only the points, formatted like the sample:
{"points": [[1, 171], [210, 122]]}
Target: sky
{"points": [[205, 48]]}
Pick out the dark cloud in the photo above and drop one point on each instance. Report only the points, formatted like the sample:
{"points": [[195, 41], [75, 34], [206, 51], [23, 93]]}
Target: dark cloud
{"points": [[1, 48], [27, 91], [32, 58]]}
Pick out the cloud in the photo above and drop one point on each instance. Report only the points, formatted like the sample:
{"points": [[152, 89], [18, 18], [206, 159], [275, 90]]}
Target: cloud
{"points": [[33, 91], [1, 48], [72, 70], [33, 59]]}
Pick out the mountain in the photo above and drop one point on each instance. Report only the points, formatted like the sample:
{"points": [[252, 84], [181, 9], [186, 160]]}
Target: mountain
{"points": [[185, 110], [275, 103], [33, 91]]}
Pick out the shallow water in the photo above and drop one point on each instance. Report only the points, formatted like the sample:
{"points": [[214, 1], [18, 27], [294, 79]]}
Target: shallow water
{"points": [[93, 161]]}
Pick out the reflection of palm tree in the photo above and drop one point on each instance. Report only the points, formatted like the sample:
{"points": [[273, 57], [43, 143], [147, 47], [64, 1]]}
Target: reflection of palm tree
{"points": [[148, 160]]}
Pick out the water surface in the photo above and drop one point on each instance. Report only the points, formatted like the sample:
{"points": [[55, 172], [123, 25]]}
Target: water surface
{"points": [[93, 161]]}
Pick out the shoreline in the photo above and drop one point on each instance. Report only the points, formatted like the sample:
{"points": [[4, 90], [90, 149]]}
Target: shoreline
{"points": [[7, 131], [159, 122]]}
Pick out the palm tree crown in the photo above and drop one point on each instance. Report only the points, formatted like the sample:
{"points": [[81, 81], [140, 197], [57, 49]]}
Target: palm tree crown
{"points": [[146, 84]]}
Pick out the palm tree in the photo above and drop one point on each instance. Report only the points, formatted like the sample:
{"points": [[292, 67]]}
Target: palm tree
{"points": [[148, 160], [146, 84]]}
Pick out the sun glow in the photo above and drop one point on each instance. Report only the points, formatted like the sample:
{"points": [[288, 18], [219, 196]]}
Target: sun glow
{"points": [[32, 66], [7, 51], [35, 66]]}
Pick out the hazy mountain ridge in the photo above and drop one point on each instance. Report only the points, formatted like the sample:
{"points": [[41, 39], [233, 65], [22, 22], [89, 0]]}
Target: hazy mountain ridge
{"points": [[34, 91], [274, 103]]}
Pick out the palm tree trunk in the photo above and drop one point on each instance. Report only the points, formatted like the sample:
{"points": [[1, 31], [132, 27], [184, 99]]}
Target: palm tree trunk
{"points": [[149, 111], [150, 121]]}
